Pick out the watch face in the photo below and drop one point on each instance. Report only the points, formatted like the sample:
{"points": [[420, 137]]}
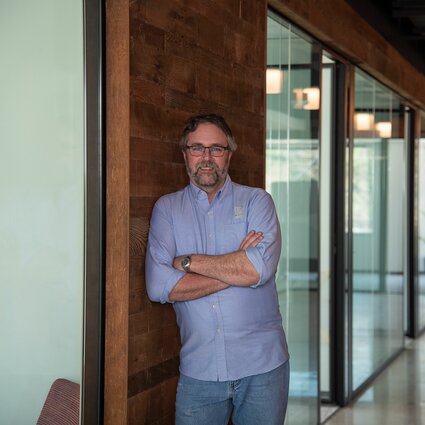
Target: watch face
{"points": [[186, 263]]}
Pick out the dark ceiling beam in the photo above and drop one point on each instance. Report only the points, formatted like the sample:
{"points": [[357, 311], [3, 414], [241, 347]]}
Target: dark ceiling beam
{"points": [[405, 4], [408, 12], [413, 37]]}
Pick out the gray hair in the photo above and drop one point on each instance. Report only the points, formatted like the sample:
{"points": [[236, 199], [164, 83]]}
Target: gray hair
{"points": [[214, 119]]}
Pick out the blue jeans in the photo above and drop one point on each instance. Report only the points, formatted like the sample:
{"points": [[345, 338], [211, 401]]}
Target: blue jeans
{"points": [[254, 400]]}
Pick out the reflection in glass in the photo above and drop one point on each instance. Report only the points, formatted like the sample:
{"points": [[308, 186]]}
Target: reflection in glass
{"points": [[378, 227], [292, 176], [421, 225]]}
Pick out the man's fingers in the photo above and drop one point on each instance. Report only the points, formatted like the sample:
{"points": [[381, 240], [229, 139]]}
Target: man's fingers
{"points": [[252, 239]]}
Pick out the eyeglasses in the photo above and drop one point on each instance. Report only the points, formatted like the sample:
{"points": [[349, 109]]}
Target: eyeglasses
{"points": [[199, 150]]}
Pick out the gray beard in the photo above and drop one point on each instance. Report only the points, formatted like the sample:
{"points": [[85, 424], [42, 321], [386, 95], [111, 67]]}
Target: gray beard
{"points": [[216, 177]]}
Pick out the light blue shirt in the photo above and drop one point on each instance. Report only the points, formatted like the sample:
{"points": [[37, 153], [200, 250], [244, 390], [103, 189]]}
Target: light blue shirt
{"points": [[236, 332]]}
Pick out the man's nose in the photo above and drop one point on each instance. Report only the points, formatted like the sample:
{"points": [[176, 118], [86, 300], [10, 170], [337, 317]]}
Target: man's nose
{"points": [[206, 153]]}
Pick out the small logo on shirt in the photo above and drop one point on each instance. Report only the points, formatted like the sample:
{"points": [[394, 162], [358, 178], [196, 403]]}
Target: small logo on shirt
{"points": [[238, 212]]}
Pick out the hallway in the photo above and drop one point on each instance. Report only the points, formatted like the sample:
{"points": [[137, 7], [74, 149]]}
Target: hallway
{"points": [[397, 396]]}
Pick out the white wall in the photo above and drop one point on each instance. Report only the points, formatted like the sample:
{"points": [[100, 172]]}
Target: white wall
{"points": [[42, 201]]}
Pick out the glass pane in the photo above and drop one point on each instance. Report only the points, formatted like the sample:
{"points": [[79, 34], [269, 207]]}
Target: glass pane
{"points": [[378, 229], [327, 119], [421, 225], [292, 178], [42, 202]]}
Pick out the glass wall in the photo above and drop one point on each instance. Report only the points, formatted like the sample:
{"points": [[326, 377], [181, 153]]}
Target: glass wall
{"points": [[373, 176], [292, 178], [42, 191], [378, 227], [421, 225]]}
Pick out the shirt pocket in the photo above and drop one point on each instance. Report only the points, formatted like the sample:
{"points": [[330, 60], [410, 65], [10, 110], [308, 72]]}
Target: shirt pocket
{"points": [[233, 235]]}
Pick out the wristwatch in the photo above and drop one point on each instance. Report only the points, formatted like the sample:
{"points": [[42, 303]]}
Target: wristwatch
{"points": [[186, 264]]}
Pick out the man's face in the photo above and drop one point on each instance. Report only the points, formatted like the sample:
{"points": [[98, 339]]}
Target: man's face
{"points": [[206, 171]]}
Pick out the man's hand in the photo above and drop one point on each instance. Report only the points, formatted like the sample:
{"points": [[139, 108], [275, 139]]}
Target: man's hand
{"points": [[251, 240]]}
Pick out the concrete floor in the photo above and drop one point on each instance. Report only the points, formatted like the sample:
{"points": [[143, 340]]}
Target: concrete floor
{"points": [[396, 397]]}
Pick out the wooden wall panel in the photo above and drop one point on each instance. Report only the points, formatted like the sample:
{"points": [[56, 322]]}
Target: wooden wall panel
{"points": [[187, 57]]}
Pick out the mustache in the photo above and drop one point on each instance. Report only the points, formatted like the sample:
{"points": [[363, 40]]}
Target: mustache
{"points": [[208, 164]]}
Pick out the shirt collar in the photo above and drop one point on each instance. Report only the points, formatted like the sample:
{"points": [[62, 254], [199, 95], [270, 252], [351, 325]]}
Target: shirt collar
{"points": [[201, 194]]}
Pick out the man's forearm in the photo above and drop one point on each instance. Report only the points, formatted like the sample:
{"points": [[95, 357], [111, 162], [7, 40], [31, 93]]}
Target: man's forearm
{"points": [[193, 286], [234, 268]]}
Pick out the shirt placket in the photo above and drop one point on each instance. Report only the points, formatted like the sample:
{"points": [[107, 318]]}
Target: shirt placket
{"points": [[211, 221]]}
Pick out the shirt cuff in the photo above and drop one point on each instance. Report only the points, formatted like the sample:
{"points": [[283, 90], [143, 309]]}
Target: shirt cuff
{"points": [[254, 255], [171, 283]]}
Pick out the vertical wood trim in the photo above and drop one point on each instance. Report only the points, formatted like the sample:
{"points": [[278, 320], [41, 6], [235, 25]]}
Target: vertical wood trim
{"points": [[117, 210]]}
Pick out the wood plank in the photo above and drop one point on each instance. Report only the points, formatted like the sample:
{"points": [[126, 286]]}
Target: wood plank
{"points": [[117, 211]]}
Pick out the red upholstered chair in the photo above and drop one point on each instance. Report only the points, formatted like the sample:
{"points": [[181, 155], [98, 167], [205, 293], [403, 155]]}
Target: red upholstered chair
{"points": [[62, 405]]}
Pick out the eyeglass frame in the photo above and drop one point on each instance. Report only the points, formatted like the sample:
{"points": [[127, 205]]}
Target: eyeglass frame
{"points": [[221, 150]]}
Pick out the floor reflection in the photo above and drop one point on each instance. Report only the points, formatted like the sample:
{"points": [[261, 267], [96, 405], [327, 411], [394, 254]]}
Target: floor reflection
{"points": [[397, 396]]}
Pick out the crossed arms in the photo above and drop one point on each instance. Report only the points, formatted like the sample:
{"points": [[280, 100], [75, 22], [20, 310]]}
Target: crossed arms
{"points": [[253, 263], [209, 273]]}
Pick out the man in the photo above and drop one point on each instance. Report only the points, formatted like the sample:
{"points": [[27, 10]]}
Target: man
{"points": [[213, 251]]}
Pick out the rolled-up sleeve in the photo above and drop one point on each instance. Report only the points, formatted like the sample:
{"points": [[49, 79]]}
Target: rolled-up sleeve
{"points": [[265, 256], [161, 276]]}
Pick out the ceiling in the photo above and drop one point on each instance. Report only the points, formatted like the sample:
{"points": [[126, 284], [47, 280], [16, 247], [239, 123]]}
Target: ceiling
{"points": [[401, 22]]}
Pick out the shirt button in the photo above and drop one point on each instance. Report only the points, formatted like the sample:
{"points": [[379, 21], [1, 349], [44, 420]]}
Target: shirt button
{"points": [[213, 306], [210, 235], [218, 330]]}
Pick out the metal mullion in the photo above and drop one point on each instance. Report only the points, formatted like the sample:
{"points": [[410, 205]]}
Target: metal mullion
{"points": [[93, 355], [413, 231], [339, 312]]}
